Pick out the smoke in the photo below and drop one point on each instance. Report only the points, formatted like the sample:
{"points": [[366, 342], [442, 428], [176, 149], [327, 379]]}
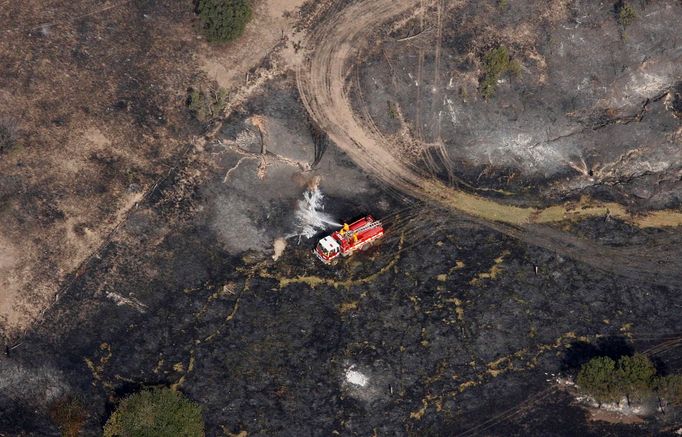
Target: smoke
{"points": [[309, 215], [279, 246]]}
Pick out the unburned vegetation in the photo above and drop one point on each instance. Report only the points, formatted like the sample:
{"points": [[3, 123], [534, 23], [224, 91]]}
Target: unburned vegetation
{"points": [[223, 20], [207, 104], [95, 115], [496, 63]]}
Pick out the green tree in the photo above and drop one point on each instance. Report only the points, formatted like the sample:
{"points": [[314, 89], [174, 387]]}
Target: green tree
{"points": [[223, 20], [156, 413], [626, 14], [670, 388], [207, 105], [598, 379], [635, 375], [497, 62]]}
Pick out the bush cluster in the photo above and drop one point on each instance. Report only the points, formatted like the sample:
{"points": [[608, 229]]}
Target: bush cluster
{"points": [[7, 134], [156, 413], [626, 14], [223, 20], [69, 415], [496, 63], [632, 377], [207, 105]]}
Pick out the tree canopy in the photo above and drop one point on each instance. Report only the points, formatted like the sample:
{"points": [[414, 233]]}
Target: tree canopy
{"points": [[670, 388], [223, 20], [598, 378], [607, 380], [635, 375], [496, 63], [156, 413]]}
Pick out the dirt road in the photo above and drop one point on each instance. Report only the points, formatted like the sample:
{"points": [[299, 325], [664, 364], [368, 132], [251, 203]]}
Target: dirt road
{"points": [[323, 84]]}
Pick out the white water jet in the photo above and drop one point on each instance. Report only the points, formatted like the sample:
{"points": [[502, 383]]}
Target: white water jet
{"points": [[310, 218]]}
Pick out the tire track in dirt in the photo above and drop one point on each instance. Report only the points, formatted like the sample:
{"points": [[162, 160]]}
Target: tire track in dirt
{"points": [[322, 81], [420, 70]]}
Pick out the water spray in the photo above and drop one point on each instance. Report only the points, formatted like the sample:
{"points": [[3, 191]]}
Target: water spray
{"points": [[310, 216]]}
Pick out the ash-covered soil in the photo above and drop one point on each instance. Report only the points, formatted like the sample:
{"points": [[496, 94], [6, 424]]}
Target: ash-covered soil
{"points": [[454, 328], [454, 324], [590, 111]]}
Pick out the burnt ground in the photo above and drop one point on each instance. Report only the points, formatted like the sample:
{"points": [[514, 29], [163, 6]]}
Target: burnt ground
{"points": [[450, 322], [459, 329], [590, 112]]}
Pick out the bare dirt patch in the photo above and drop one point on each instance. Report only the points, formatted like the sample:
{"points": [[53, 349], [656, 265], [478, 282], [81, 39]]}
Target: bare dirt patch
{"points": [[272, 24], [598, 414]]}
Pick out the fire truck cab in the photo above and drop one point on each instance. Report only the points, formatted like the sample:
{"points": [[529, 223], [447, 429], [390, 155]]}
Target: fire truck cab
{"points": [[350, 238]]}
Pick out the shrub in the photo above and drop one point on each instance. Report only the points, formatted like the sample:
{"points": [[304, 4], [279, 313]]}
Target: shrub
{"points": [[635, 375], [207, 105], [69, 416], [156, 413], [670, 388], [7, 134], [626, 14], [392, 109], [598, 378], [496, 63], [632, 376], [223, 20]]}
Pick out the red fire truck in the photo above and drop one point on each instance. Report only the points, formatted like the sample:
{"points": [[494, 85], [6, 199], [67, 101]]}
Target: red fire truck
{"points": [[357, 236]]}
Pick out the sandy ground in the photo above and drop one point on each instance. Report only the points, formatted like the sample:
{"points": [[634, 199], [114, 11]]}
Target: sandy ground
{"points": [[273, 24]]}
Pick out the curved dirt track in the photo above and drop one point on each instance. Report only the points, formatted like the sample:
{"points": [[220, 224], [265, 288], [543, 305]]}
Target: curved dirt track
{"points": [[324, 90]]}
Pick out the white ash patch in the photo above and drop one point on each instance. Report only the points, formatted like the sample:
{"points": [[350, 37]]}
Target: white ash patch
{"points": [[642, 408], [373, 384], [356, 378]]}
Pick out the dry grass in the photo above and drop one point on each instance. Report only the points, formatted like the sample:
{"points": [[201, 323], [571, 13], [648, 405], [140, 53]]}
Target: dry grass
{"points": [[96, 121]]}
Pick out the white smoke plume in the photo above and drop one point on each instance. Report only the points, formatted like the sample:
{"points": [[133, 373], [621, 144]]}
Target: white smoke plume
{"points": [[310, 216]]}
